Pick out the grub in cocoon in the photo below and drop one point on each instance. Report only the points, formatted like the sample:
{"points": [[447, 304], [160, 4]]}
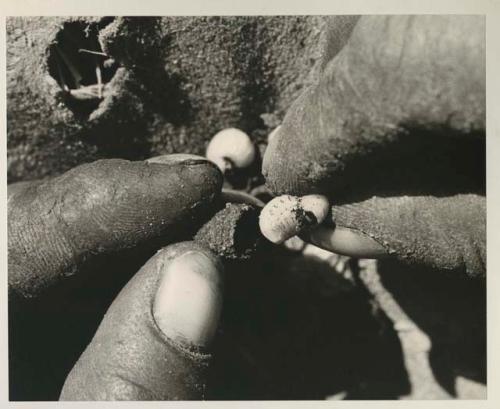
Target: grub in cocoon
{"points": [[285, 216], [231, 148]]}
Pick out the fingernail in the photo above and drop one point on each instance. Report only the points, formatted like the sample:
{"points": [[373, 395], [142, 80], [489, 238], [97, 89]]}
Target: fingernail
{"points": [[345, 241], [177, 158], [189, 298]]}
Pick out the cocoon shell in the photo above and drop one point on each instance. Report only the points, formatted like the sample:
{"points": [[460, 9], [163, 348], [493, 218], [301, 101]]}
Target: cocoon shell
{"points": [[285, 216], [231, 148], [232, 233]]}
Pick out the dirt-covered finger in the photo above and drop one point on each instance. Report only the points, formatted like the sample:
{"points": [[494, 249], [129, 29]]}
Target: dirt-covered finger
{"points": [[99, 208], [154, 341], [446, 233], [399, 86]]}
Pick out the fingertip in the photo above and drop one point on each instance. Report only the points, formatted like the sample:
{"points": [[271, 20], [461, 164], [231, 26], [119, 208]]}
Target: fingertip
{"points": [[192, 177], [280, 165], [296, 160], [122, 202]]}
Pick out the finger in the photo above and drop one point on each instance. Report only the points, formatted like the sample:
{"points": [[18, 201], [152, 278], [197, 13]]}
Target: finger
{"points": [[153, 342], [103, 207], [444, 233], [411, 79], [338, 30], [14, 188]]}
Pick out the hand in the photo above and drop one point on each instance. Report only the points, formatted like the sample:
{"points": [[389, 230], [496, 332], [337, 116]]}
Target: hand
{"points": [[152, 342], [393, 133], [70, 240]]}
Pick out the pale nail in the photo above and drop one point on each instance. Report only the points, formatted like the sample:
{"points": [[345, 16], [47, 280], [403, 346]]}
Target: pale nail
{"points": [[345, 241], [189, 298]]}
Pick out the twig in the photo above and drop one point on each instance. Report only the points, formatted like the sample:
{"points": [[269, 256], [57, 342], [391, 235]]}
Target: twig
{"points": [[261, 190], [235, 196], [99, 78], [62, 83], [84, 50], [87, 93], [415, 343], [77, 77]]}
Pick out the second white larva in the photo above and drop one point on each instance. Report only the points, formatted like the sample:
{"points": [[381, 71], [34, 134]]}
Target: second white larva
{"points": [[231, 148], [286, 216]]}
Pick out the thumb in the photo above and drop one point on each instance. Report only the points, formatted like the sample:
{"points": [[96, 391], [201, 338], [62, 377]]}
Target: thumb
{"points": [[153, 342], [447, 233], [400, 84]]}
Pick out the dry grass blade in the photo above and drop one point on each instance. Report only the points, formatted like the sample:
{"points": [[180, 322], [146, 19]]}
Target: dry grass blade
{"points": [[77, 77]]}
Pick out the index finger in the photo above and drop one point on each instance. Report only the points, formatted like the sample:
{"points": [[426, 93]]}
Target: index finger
{"points": [[103, 207]]}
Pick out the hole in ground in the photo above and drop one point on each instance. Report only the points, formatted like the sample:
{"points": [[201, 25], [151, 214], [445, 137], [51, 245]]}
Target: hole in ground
{"points": [[79, 65]]}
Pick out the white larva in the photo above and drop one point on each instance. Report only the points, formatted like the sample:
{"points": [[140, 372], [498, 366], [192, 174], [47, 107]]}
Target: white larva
{"points": [[286, 216], [231, 148]]}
